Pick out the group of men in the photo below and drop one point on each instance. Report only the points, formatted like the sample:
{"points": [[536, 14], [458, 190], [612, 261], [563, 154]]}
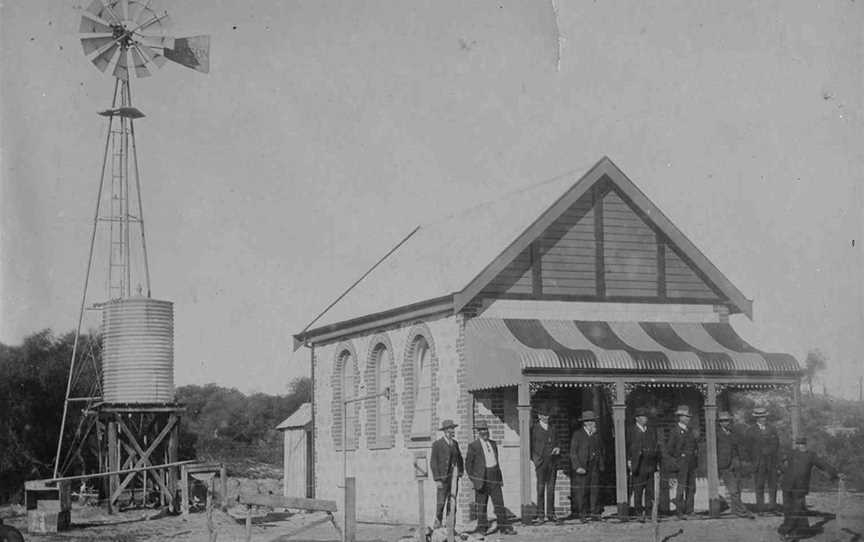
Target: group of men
{"points": [[676, 457]]}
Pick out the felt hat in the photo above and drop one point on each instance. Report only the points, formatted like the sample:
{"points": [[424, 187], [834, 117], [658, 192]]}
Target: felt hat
{"points": [[683, 410], [641, 411], [800, 440], [588, 416], [447, 424], [543, 411], [760, 412], [723, 415], [480, 425]]}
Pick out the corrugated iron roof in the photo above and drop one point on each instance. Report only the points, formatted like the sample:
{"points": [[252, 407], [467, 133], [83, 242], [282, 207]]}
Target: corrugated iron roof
{"points": [[499, 351], [301, 418]]}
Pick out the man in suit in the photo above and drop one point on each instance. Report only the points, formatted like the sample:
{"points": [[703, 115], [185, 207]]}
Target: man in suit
{"points": [[643, 450], [680, 451], [586, 463], [796, 485], [729, 463], [544, 454], [445, 457], [764, 447], [481, 464]]}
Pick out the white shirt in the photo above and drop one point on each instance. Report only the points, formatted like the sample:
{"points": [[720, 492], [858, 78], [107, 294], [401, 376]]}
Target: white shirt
{"points": [[488, 453], [588, 431], [682, 426], [642, 427], [545, 426]]}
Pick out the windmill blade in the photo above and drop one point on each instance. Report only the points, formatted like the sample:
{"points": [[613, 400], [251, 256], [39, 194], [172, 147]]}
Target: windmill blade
{"points": [[151, 55], [96, 41], [159, 42], [95, 11], [93, 24], [143, 11], [192, 52], [163, 20], [101, 8], [103, 59], [124, 9], [140, 63], [121, 69]]}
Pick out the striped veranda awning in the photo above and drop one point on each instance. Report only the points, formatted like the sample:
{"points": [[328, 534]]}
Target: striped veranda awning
{"points": [[499, 351]]}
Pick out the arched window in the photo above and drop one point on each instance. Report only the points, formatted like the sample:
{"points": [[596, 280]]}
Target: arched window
{"points": [[382, 370], [421, 423], [345, 387]]}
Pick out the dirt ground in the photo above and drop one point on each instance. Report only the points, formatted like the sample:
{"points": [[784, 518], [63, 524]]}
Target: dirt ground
{"points": [[139, 526]]}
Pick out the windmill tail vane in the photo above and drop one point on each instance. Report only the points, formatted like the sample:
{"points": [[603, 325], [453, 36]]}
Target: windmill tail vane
{"points": [[132, 36]]}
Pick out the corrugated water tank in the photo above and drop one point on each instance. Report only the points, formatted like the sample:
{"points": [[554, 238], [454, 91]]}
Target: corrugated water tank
{"points": [[138, 351]]}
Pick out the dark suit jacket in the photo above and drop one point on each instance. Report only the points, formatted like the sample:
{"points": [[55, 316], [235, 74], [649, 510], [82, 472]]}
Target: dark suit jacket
{"points": [[681, 449], [643, 450], [799, 465], [475, 463], [542, 442], [764, 444], [444, 458], [728, 448], [585, 450]]}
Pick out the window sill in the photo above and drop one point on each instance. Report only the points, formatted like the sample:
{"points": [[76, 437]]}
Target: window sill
{"points": [[385, 444], [419, 441]]}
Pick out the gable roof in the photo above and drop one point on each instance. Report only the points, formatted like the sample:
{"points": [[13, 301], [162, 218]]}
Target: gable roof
{"points": [[301, 417], [452, 260]]}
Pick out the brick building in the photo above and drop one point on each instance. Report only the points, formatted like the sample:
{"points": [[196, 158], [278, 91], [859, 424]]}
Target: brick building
{"points": [[572, 294]]}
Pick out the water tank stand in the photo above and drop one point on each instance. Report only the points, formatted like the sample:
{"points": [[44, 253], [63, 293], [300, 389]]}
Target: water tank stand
{"points": [[136, 436]]}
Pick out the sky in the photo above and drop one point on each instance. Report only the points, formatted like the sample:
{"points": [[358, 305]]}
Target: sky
{"points": [[326, 131]]}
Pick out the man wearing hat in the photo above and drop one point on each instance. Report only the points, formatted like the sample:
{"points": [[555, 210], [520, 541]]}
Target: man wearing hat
{"points": [[445, 457], [729, 463], [643, 449], [681, 456], [796, 485], [481, 463], [586, 463], [764, 447], [544, 454]]}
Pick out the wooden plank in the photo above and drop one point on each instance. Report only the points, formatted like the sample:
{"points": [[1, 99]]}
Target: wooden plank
{"points": [[600, 253], [278, 501], [575, 280]]}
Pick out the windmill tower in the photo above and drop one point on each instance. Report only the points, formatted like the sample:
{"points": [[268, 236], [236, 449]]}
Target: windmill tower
{"points": [[129, 406]]}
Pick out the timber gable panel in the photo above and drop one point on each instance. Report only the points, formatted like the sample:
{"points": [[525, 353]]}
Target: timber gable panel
{"points": [[602, 248]]}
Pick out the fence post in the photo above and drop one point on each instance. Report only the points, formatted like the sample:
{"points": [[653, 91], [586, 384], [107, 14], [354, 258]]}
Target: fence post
{"points": [[350, 509]]}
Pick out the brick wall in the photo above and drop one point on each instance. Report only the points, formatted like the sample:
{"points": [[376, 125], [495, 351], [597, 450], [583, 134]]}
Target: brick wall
{"points": [[386, 484]]}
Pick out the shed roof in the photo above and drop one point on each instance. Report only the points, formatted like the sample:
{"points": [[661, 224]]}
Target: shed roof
{"points": [[454, 258], [301, 418]]}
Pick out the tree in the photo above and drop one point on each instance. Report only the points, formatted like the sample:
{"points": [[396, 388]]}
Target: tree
{"points": [[816, 362]]}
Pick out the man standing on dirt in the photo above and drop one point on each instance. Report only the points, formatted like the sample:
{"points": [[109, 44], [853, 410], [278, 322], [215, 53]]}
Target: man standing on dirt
{"points": [[796, 485], [729, 463], [445, 457], [544, 454], [643, 449], [764, 445], [484, 470], [681, 450], [586, 463]]}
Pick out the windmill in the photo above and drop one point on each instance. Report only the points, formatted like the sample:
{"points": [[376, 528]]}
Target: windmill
{"points": [[130, 400]]}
